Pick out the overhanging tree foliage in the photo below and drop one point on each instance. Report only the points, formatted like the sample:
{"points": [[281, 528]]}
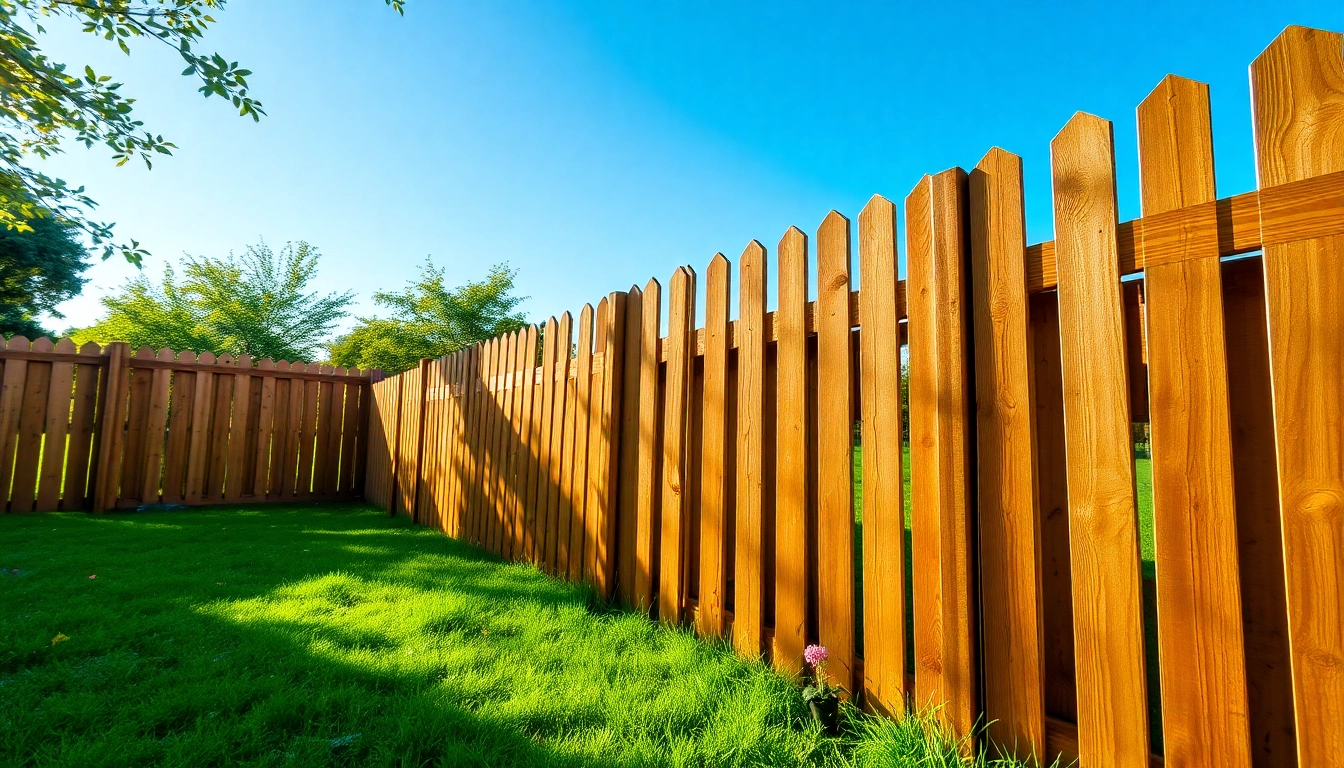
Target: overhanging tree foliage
{"points": [[430, 320], [39, 269], [43, 102], [255, 304]]}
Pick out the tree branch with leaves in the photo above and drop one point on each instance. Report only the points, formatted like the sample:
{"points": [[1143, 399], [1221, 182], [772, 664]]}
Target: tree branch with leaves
{"points": [[45, 103]]}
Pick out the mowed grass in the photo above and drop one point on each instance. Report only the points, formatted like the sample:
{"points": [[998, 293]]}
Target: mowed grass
{"points": [[332, 635]]}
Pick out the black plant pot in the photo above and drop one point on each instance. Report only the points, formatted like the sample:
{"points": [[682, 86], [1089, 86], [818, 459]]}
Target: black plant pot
{"points": [[827, 712]]}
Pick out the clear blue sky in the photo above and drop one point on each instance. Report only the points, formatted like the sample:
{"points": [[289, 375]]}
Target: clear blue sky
{"points": [[594, 144]]}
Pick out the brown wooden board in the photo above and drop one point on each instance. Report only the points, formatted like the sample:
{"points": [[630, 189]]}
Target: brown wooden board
{"points": [[545, 460], [179, 434], [236, 472], [1297, 91], [1203, 669], [672, 511], [835, 451], [749, 509], [198, 452], [1010, 524], [791, 473], [713, 549], [564, 341], [55, 430], [883, 511], [626, 551], [649, 478], [592, 522], [32, 422], [1103, 531], [83, 426]]}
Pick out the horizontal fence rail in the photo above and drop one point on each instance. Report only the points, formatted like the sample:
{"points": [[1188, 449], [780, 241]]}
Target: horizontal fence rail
{"points": [[749, 477], [102, 428]]}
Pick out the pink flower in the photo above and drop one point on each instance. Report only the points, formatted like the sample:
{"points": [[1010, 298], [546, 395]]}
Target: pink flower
{"points": [[815, 654]]}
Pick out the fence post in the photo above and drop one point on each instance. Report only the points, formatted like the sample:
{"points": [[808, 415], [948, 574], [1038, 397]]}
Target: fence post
{"points": [[108, 468]]}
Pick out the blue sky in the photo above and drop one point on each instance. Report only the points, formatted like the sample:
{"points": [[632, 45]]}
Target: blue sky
{"points": [[594, 144]]}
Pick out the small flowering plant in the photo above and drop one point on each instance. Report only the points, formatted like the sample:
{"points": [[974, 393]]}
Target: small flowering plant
{"points": [[820, 690]]}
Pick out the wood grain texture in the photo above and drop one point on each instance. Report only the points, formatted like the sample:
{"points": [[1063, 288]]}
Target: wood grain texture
{"points": [[1107, 597], [709, 619], [672, 512], [32, 422], [112, 426], [563, 355], [576, 454], [835, 451], [628, 518], [649, 479], [604, 493], [883, 488], [749, 511], [55, 430], [83, 434], [560, 375], [530, 419], [791, 468], [545, 460], [940, 434], [1297, 92], [1010, 524], [1204, 705]]}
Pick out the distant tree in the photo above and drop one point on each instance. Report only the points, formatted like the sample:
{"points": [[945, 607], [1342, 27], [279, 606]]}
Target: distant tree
{"points": [[253, 304], [430, 320], [39, 269], [44, 103]]}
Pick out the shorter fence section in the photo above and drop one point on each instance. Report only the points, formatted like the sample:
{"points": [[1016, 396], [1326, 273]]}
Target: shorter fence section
{"points": [[101, 428]]}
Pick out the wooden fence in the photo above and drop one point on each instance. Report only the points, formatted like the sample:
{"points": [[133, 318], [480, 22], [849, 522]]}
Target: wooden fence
{"points": [[174, 429], [710, 474]]}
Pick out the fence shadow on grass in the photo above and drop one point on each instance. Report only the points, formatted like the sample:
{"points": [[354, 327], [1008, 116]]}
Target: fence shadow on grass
{"points": [[305, 633]]}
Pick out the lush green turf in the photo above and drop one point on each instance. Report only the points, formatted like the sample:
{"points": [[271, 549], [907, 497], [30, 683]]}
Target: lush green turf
{"points": [[332, 635]]}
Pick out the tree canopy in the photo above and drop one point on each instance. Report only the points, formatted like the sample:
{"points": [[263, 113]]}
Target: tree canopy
{"points": [[256, 303], [430, 320], [44, 103], [39, 268]]}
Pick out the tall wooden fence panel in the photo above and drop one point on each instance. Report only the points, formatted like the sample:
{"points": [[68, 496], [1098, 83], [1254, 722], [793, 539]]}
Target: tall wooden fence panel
{"points": [[106, 429], [747, 477]]}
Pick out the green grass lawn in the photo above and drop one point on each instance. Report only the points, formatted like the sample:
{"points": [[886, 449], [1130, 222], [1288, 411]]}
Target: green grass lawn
{"points": [[333, 635]]}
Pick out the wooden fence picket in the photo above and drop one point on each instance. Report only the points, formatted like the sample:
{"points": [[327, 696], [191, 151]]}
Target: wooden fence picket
{"points": [[1297, 93], [672, 507], [709, 620], [1104, 541], [883, 512], [1204, 704], [793, 571], [749, 510]]}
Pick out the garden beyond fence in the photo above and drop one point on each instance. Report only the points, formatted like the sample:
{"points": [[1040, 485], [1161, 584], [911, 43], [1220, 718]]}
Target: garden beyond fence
{"points": [[747, 476], [102, 429]]}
